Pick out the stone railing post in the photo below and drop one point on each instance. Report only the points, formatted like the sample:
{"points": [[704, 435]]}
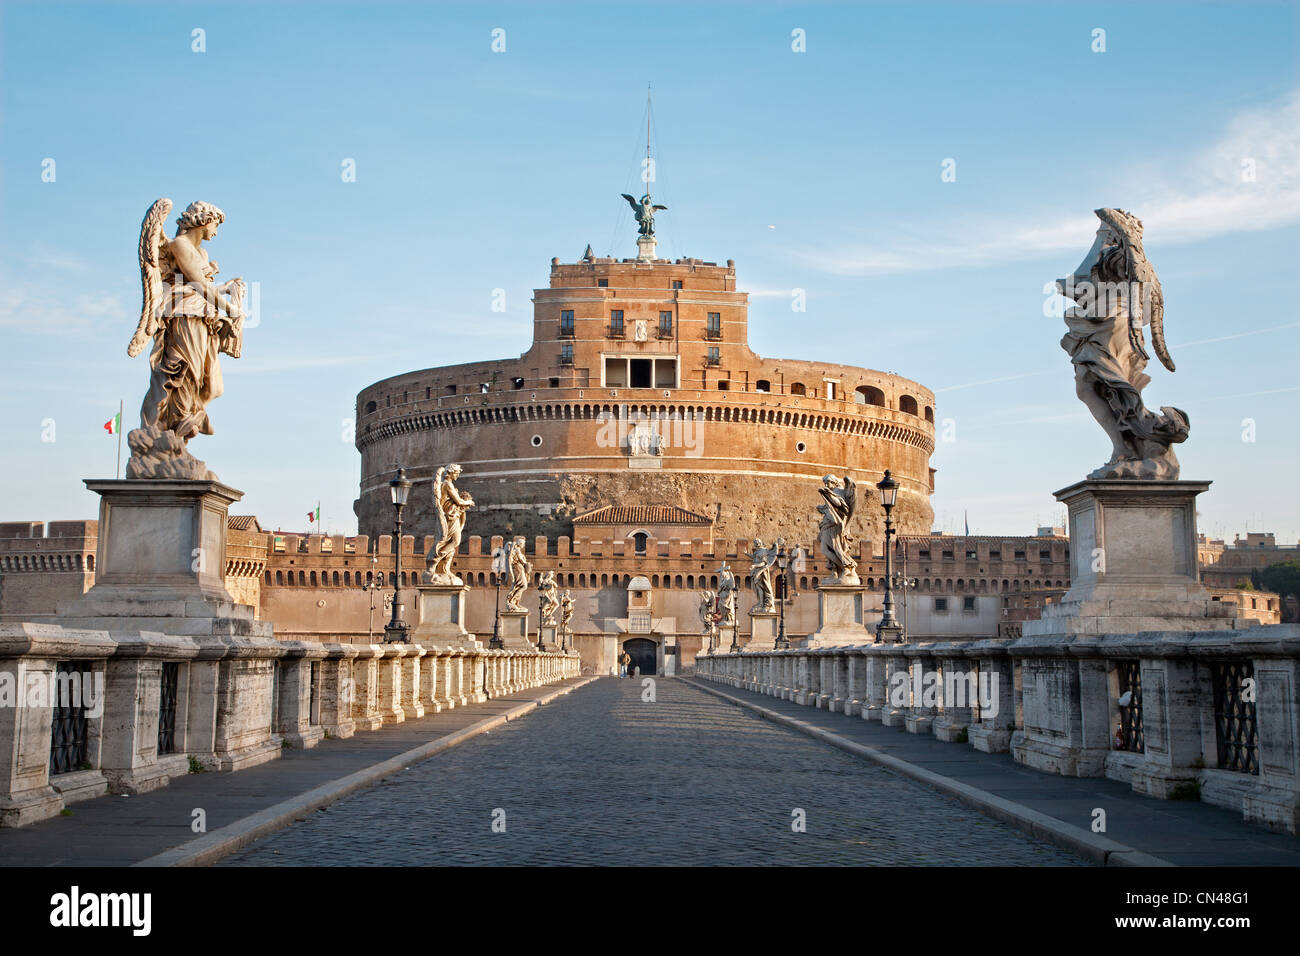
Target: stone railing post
{"points": [[245, 699], [365, 679], [995, 718], [412, 683], [293, 714], [388, 683], [338, 691], [429, 679]]}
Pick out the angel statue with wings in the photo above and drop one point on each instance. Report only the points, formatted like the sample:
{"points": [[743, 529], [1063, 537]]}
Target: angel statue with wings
{"points": [[726, 600], [709, 618], [519, 571], [644, 211], [840, 502], [550, 601], [190, 319], [1116, 292], [449, 507], [760, 571], [566, 611]]}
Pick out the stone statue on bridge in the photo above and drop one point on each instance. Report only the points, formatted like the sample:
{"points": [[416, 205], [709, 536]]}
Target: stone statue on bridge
{"points": [[190, 320], [519, 567], [760, 572], [1116, 292], [726, 600], [566, 612], [550, 601], [840, 504], [709, 618], [450, 508]]}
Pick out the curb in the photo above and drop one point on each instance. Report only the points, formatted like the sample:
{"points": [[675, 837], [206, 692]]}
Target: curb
{"points": [[1092, 847], [235, 836]]}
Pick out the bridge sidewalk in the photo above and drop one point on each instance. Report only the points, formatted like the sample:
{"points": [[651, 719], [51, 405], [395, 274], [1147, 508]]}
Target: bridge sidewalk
{"points": [[155, 828], [1140, 830]]}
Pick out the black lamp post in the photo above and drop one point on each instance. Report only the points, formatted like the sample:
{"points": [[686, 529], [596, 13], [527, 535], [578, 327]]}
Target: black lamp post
{"points": [[498, 569], [783, 565], [397, 630], [888, 496]]}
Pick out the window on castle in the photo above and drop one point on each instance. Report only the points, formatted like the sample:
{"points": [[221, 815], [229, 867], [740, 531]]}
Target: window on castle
{"points": [[451, 389], [713, 326], [715, 355], [616, 322], [1020, 555], [677, 283], [995, 555], [639, 542], [665, 325], [566, 322], [968, 604], [762, 385], [370, 407], [566, 355], [971, 555], [1045, 555], [723, 385], [941, 604], [797, 388], [602, 283]]}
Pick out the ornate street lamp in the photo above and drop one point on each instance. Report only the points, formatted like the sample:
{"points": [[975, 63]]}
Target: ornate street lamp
{"points": [[397, 630], [888, 496], [498, 569], [783, 565]]}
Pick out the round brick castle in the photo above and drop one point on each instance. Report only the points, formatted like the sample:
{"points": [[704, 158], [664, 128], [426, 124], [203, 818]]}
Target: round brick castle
{"points": [[640, 389]]}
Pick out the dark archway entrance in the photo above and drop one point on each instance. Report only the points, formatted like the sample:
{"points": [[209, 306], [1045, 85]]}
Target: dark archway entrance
{"points": [[644, 654]]}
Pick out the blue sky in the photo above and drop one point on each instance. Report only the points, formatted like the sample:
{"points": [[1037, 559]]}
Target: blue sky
{"points": [[818, 170]]}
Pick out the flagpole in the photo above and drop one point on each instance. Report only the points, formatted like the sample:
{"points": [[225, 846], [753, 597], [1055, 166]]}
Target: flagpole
{"points": [[118, 472]]}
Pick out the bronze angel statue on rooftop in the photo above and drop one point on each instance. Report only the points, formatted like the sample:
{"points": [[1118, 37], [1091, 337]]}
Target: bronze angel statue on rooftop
{"points": [[1116, 293], [644, 211], [189, 319]]}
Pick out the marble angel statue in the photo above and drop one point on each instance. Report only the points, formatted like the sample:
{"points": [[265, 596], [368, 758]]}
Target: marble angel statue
{"points": [[188, 319], [1117, 293], [837, 510], [450, 506]]}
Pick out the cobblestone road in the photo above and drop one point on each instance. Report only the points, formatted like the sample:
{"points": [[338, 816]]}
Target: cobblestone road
{"points": [[601, 777]]}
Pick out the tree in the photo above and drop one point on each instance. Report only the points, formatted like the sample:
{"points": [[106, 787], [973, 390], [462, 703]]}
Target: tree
{"points": [[1283, 578]]}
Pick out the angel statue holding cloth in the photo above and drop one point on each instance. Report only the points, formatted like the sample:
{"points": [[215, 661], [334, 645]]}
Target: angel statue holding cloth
{"points": [[189, 319]]}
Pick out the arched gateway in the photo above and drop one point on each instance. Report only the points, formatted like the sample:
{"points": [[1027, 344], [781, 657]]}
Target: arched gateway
{"points": [[645, 655]]}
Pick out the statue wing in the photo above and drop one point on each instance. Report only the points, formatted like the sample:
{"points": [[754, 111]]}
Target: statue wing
{"points": [[152, 238], [636, 206], [439, 500], [850, 498], [1152, 308], [659, 207]]}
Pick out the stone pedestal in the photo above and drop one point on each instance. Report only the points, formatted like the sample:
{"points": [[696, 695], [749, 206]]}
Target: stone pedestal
{"points": [[549, 636], [839, 617], [764, 626], [1133, 562], [514, 630], [442, 616], [645, 248], [726, 638]]}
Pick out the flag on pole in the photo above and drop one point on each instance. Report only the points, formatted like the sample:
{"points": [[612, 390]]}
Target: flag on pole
{"points": [[314, 515], [967, 514], [114, 425]]}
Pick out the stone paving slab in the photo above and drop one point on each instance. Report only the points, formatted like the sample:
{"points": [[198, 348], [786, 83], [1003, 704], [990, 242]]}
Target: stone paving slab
{"points": [[125, 830], [1184, 833], [604, 777]]}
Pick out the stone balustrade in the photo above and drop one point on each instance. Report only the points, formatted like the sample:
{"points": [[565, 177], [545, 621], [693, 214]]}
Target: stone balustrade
{"points": [[83, 712], [1176, 714]]}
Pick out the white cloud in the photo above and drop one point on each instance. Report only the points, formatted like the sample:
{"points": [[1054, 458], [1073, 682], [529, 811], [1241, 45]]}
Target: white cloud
{"points": [[1204, 197]]}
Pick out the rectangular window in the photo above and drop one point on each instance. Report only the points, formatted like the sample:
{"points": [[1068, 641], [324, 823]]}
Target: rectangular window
{"points": [[948, 556], [925, 554], [665, 325], [970, 555], [566, 322], [995, 555], [616, 322], [941, 604], [602, 283], [1045, 555], [566, 354], [677, 283], [713, 327], [1020, 555], [715, 355], [968, 604]]}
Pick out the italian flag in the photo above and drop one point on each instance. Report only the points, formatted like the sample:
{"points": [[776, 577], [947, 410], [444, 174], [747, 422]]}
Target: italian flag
{"points": [[314, 515], [114, 425]]}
